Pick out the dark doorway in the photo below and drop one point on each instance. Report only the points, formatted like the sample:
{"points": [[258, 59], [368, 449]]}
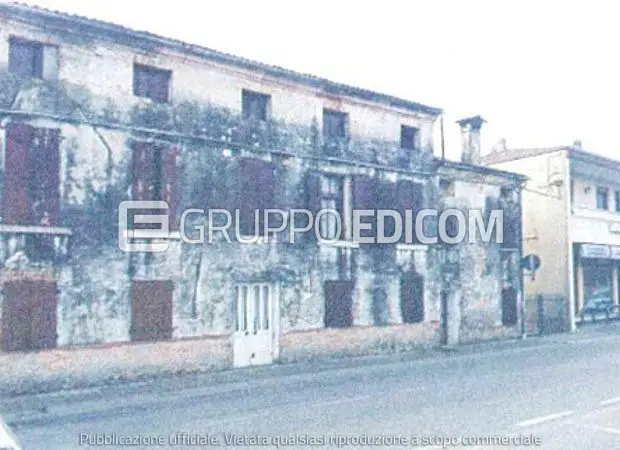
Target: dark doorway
{"points": [[151, 310], [412, 297], [29, 315], [444, 318], [338, 304], [509, 307]]}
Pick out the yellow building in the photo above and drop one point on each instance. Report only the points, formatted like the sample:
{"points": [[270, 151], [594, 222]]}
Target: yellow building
{"points": [[571, 220]]}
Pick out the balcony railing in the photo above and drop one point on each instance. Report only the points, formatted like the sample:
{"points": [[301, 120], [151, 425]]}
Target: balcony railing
{"points": [[38, 243]]}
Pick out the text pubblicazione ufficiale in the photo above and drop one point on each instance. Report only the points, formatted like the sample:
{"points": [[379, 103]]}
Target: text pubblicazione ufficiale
{"points": [[309, 440]]}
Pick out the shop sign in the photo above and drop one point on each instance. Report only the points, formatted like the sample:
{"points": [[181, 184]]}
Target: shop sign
{"points": [[595, 251]]}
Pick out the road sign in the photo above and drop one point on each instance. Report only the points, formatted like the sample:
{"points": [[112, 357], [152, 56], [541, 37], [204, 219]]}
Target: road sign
{"points": [[531, 263]]}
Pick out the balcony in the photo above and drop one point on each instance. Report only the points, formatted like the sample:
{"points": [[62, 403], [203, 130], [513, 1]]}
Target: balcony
{"points": [[23, 244]]}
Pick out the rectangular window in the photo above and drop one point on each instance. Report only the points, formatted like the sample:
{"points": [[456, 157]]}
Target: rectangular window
{"points": [[152, 83], [617, 195], [26, 58], [335, 133], [446, 187], [155, 176], [338, 304], [602, 198], [332, 225], [334, 124], [151, 310], [255, 105], [256, 192], [410, 197], [253, 303], [408, 136], [32, 170]]}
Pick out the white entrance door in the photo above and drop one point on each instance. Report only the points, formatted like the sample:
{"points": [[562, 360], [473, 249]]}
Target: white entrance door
{"points": [[253, 341]]}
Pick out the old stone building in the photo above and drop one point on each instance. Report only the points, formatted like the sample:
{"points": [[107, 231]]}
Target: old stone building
{"points": [[94, 114]]}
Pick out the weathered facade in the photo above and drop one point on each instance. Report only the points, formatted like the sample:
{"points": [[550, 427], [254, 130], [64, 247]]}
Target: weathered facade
{"points": [[572, 222], [95, 114]]}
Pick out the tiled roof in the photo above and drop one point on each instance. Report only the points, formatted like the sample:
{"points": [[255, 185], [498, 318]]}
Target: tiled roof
{"points": [[575, 153], [500, 156], [122, 34]]}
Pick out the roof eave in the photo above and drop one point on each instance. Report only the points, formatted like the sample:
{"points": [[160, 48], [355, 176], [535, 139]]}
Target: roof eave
{"points": [[323, 84]]}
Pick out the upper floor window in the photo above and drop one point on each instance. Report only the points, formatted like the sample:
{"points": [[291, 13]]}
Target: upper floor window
{"points": [[26, 58], [152, 83], [155, 176], [334, 124], [602, 198], [408, 136], [255, 105], [254, 192], [332, 197], [617, 195], [446, 187], [32, 168]]}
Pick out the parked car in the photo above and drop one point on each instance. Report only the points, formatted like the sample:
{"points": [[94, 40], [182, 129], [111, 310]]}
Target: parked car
{"points": [[8, 440], [599, 302]]}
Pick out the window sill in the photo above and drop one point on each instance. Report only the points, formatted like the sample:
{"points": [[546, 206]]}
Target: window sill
{"points": [[130, 234], [412, 247], [341, 244], [34, 229]]}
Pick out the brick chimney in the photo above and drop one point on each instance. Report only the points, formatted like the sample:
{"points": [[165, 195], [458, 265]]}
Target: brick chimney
{"points": [[470, 139]]}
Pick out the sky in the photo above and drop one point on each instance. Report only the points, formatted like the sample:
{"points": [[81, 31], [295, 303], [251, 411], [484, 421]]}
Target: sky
{"points": [[541, 73]]}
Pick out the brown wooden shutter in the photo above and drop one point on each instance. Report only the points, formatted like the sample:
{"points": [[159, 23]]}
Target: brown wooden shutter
{"points": [[16, 199], [255, 192], [511, 227], [143, 167], [405, 202], [265, 185], [241, 201], [417, 204], [364, 198], [386, 198], [46, 176], [312, 202], [269, 187], [491, 204], [170, 183], [143, 176]]}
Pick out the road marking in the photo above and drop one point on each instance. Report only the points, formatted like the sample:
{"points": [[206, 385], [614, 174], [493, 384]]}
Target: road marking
{"points": [[543, 419], [611, 401], [602, 429]]}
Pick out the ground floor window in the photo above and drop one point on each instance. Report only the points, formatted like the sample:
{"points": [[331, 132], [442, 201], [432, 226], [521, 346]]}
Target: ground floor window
{"points": [[338, 304], [597, 280], [253, 307]]}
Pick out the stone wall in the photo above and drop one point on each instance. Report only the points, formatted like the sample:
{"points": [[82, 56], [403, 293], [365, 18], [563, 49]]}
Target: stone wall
{"points": [[308, 345]]}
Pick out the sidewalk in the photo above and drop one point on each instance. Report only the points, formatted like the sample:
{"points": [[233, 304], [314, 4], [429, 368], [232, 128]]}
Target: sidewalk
{"points": [[94, 395]]}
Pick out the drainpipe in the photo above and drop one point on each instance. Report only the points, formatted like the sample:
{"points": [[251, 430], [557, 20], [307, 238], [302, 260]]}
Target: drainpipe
{"points": [[521, 291], [569, 242], [443, 141]]}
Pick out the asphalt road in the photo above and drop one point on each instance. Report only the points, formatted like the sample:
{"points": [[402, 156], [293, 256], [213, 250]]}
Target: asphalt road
{"points": [[566, 396]]}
